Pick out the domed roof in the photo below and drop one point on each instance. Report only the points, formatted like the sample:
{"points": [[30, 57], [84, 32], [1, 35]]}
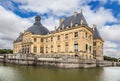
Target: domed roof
{"points": [[37, 27]]}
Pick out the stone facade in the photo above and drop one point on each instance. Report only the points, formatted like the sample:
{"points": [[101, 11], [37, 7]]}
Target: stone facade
{"points": [[72, 37]]}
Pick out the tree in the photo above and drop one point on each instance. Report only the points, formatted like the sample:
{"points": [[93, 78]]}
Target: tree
{"points": [[6, 51], [110, 58]]}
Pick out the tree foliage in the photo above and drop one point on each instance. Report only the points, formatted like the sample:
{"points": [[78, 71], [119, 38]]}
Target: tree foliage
{"points": [[6, 51], [110, 58]]}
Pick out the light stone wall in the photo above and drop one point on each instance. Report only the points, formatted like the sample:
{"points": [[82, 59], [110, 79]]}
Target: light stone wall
{"points": [[17, 48], [98, 48], [85, 36]]}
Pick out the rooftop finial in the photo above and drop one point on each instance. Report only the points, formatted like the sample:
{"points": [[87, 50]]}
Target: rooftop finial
{"points": [[94, 26], [37, 20]]}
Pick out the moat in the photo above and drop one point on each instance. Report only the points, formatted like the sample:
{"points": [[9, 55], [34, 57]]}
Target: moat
{"points": [[9, 72]]}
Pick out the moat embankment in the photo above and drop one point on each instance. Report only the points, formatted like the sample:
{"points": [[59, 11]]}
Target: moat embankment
{"points": [[61, 61]]}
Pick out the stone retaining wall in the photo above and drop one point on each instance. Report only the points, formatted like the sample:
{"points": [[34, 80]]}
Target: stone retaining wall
{"points": [[60, 61]]}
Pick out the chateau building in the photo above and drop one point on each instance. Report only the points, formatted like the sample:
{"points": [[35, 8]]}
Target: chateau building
{"points": [[72, 37]]}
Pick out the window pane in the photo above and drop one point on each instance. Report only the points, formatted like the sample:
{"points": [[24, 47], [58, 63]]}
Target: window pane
{"points": [[66, 48], [58, 37], [94, 43], [51, 49], [41, 50], [46, 49], [41, 39], [86, 47], [66, 36], [76, 34], [35, 39], [59, 48], [35, 49], [75, 47]]}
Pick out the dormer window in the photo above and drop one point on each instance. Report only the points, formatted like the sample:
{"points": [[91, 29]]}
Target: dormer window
{"points": [[81, 22], [71, 24], [76, 24]]}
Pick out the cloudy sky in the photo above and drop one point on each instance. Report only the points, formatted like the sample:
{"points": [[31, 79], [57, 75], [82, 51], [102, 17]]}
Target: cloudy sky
{"points": [[17, 15]]}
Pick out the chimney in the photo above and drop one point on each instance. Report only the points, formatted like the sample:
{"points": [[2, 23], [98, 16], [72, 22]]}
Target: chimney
{"points": [[55, 27], [20, 33], [94, 26], [75, 14], [61, 20]]}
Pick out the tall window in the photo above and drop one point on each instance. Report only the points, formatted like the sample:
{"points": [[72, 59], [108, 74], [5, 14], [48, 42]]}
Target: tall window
{"points": [[59, 48], [51, 39], [66, 36], [46, 39], [52, 49], [86, 47], [41, 50], [94, 52], [46, 49], [35, 49], [41, 39], [86, 34], [22, 50], [27, 50], [75, 34], [94, 43], [58, 37], [66, 48], [90, 49], [35, 39], [75, 47]]}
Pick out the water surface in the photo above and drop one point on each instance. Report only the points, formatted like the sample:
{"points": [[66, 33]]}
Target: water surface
{"points": [[37, 73]]}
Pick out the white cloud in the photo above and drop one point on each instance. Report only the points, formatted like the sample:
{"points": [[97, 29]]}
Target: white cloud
{"points": [[111, 32], [57, 7], [50, 22], [10, 26], [100, 17], [109, 44], [111, 49]]}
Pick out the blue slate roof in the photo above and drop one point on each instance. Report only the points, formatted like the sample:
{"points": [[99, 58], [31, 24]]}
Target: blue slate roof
{"points": [[74, 20], [96, 34], [19, 38], [37, 27]]}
